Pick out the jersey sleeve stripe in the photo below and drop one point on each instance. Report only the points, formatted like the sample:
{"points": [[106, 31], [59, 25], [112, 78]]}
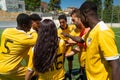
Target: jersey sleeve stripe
{"points": [[30, 69], [112, 58]]}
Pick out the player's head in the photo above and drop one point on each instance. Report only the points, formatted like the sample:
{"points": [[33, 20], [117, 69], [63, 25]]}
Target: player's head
{"points": [[88, 11], [23, 22], [63, 21], [46, 46], [35, 21], [75, 15]]}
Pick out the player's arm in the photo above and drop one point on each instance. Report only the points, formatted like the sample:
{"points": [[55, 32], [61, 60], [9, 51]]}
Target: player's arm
{"points": [[28, 75], [115, 64], [70, 41], [30, 39], [74, 38], [73, 52], [29, 72], [110, 52]]}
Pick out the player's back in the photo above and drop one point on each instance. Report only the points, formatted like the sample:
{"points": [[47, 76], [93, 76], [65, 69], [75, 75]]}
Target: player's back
{"points": [[15, 45], [56, 72]]}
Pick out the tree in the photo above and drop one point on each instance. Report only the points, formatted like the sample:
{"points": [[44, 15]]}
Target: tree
{"points": [[99, 4], [32, 5], [116, 14], [54, 5], [108, 9]]}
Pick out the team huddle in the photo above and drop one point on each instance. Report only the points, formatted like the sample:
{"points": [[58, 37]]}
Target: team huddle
{"points": [[36, 49]]}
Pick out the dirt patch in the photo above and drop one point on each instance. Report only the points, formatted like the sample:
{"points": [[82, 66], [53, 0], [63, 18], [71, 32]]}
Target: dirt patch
{"points": [[8, 16]]}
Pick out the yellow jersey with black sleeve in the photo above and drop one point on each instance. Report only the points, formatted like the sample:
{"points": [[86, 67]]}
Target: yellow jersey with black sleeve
{"points": [[15, 45], [56, 72], [67, 30], [101, 48]]}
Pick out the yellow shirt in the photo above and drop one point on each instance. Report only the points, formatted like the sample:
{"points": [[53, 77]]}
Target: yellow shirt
{"points": [[74, 32], [101, 47], [15, 45], [82, 46], [56, 72], [68, 30], [82, 53]]}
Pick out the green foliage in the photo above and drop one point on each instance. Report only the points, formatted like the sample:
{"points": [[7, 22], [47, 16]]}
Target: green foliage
{"points": [[32, 5], [116, 14], [54, 5], [108, 10]]}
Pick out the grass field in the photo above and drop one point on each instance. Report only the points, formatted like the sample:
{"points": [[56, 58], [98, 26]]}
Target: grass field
{"points": [[75, 61], [117, 36]]}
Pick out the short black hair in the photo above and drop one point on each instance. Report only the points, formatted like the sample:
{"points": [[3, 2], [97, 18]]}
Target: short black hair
{"points": [[88, 6], [35, 17], [62, 17], [23, 19]]}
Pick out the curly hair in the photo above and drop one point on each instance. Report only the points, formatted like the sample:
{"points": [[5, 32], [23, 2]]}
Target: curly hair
{"points": [[46, 46]]}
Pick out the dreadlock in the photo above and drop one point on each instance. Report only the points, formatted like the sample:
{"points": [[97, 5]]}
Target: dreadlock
{"points": [[46, 46]]}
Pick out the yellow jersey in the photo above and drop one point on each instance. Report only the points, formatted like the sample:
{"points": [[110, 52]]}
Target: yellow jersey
{"points": [[68, 30], [82, 46], [101, 48], [56, 72], [15, 45], [74, 32]]}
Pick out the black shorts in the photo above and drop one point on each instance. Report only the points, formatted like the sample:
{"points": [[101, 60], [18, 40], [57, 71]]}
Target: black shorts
{"points": [[70, 58]]}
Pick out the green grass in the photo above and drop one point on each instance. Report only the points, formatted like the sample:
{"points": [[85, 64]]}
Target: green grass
{"points": [[117, 36]]}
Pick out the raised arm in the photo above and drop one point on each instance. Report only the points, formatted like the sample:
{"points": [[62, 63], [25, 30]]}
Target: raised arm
{"points": [[74, 38]]}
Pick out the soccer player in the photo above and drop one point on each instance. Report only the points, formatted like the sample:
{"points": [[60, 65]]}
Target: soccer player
{"points": [[49, 51], [82, 52], [102, 58], [34, 29], [81, 47], [64, 27], [35, 24], [35, 21], [15, 44]]}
